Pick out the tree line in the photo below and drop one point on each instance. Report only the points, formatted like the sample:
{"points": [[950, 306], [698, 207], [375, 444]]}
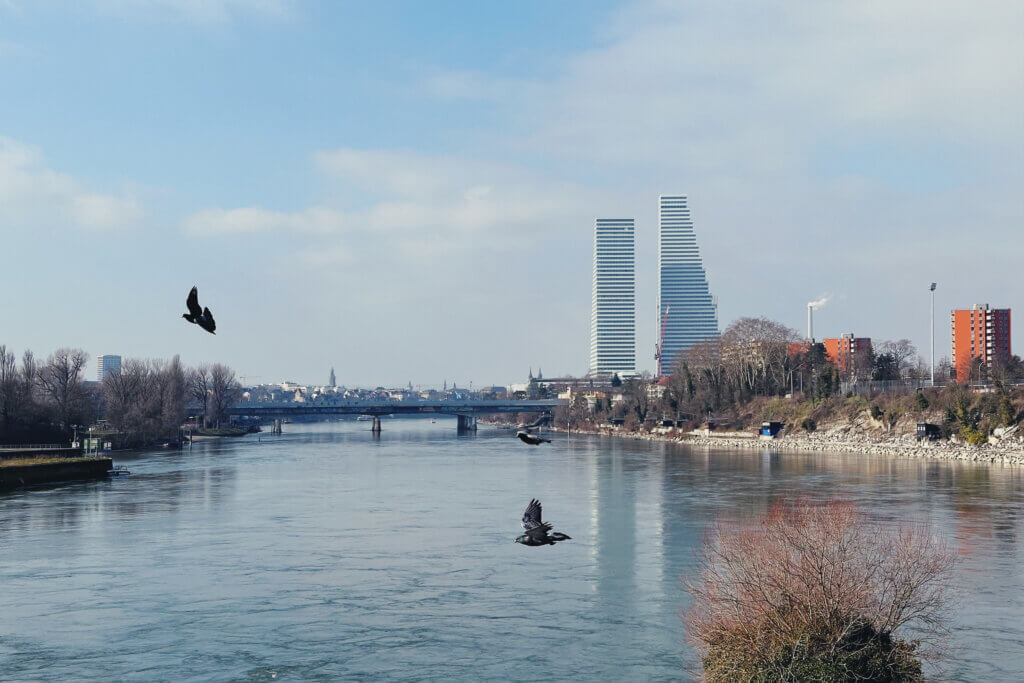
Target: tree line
{"points": [[146, 401], [758, 357]]}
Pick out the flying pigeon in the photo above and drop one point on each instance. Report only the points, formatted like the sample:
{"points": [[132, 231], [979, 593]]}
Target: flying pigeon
{"points": [[536, 530], [197, 315], [541, 421], [526, 437]]}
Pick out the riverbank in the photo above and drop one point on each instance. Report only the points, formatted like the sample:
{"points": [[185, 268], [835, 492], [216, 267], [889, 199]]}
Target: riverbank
{"points": [[1010, 452]]}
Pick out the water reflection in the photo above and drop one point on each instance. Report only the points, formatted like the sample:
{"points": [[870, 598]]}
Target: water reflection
{"points": [[329, 551]]}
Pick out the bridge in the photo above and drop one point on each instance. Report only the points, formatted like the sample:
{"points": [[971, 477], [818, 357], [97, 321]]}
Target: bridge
{"points": [[466, 410]]}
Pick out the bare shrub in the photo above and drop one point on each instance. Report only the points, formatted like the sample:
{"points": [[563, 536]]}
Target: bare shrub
{"points": [[816, 592]]}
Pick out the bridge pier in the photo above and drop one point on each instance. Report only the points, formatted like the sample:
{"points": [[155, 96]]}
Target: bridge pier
{"points": [[466, 423], [376, 424]]}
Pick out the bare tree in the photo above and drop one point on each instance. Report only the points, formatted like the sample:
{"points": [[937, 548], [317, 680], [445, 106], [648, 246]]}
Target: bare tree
{"points": [[27, 387], [124, 395], [638, 398], [818, 583], [9, 387], [902, 352], [175, 389], [198, 387], [755, 354], [224, 392], [62, 384]]}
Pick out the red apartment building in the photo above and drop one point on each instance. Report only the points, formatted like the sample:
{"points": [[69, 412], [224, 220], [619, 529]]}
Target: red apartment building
{"points": [[846, 350], [979, 332]]}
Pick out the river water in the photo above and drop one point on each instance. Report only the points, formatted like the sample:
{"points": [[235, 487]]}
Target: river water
{"points": [[325, 553]]}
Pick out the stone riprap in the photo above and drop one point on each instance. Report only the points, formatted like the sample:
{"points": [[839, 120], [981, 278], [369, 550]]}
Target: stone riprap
{"points": [[1010, 451]]}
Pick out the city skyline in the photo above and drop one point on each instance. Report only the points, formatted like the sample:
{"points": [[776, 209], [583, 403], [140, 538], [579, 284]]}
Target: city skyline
{"points": [[389, 211]]}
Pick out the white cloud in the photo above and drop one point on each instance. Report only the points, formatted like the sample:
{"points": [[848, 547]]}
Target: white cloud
{"points": [[34, 195], [415, 203], [724, 87], [255, 220], [103, 211]]}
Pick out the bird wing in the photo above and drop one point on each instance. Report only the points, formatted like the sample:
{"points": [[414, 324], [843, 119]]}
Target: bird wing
{"points": [[193, 303], [531, 518], [211, 324]]}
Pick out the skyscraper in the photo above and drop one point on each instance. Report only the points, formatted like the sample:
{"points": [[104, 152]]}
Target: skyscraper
{"points": [[687, 314], [613, 310], [332, 380], [107, 364]]}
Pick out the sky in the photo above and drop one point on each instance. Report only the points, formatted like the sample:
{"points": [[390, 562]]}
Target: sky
{"points": [[406, 191]]}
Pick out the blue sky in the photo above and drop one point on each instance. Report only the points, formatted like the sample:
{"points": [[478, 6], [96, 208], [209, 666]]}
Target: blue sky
{"points": [[406, 190]]}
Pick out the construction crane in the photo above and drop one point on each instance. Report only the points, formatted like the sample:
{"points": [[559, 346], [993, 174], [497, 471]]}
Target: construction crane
{"points": [[661, 338]]}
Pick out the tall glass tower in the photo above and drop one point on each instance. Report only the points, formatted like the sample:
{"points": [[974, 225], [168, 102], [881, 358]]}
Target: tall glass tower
{"points": [[687, 314], [613, 310]]}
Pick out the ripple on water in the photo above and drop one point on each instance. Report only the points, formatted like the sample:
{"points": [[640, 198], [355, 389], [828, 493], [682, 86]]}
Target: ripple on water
{"points": [[327, 554]]}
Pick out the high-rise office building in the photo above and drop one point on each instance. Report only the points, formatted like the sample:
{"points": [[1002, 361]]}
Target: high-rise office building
{"points": [[613, 310], [687, 313], [979, 332], [107, 364]]}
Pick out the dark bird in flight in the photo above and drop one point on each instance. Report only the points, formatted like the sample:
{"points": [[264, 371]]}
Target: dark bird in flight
{"points": [[197, 315], [526, 437], [536, 530], [541, 421]]}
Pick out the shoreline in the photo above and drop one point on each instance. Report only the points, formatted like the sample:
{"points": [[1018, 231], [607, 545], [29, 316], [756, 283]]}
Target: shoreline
{"points": [[837, 443]]}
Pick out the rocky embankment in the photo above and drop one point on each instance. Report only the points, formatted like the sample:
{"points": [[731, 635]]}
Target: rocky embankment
{"points": [[1009, 451]]}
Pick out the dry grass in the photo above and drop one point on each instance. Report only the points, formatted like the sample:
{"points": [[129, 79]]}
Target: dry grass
{"points": [[41, 460]]}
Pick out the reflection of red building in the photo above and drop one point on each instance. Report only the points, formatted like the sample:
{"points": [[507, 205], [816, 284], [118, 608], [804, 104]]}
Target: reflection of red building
{"points": [[846, 351], [979, 332]]}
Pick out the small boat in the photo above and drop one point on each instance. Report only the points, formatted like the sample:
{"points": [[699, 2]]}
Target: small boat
{"points": [[118, 471], [433, 420], [364, 418]]}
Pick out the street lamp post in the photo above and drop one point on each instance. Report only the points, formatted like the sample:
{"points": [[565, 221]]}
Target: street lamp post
{"points": [[932, 290]]}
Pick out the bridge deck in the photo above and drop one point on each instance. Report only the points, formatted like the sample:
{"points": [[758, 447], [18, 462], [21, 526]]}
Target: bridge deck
{"points": [[265, 409]]}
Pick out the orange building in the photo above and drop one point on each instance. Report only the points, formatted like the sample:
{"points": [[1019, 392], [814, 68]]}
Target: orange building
{"points": [[845, 350], [979, 332]]}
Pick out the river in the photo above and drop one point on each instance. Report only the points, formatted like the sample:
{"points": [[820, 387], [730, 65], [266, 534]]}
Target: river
{"points": [[326, 553]]}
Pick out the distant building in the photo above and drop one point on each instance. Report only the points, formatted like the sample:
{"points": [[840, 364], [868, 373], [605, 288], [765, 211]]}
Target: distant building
{"points": [[847, 352], [979, 332], [106, 365], [332, 381], [687, 314], [796, 348], [613, 308]]}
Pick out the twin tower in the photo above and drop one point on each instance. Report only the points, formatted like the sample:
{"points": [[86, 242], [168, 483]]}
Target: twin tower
{"points": [[687, 313]]}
